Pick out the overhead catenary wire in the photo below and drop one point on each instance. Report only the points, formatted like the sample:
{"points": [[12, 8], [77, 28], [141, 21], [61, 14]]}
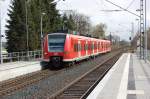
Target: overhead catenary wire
{"points": [[98, 5], [111, 10], [101, 5], [104, 10], [130, 4], [121, 8]]}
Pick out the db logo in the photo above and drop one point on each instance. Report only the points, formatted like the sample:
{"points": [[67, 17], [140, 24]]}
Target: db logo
{"points": [[55, 54]]}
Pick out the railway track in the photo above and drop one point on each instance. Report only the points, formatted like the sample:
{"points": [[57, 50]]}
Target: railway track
{"points": [[82, 86], [12, 85], [20, 83]]}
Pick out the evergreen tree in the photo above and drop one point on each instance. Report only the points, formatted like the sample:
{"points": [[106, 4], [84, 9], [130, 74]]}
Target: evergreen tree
{"points": [[50, 20], [68, 23], [71, 23], [16, 33]]}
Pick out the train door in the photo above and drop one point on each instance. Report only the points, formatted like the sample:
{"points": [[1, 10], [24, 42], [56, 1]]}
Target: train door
{"points": [[102, 47], [97, 46], [93, 47], [79, 49], [86, 49]]}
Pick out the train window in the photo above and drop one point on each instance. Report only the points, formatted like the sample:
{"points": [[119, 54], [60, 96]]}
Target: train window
{"points": [[84, 47], [75, 47], [89, 47], [95, 46], [79, 47], [92, 46], [56, 43]]}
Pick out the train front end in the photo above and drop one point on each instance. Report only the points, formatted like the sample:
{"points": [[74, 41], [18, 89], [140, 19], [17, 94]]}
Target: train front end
{"points": [[54, 48]]}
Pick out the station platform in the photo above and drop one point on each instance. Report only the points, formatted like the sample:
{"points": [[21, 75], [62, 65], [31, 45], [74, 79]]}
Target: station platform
{"points": [[15, 69], [129, 78]]}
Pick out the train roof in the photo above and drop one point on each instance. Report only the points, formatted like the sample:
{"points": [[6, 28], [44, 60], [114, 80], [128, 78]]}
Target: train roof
{"points": [[57, 33], [84, 37], [79, 37]]}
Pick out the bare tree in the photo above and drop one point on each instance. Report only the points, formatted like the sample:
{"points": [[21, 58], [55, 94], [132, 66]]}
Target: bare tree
{"points": [[99, 31], [82, 23]]}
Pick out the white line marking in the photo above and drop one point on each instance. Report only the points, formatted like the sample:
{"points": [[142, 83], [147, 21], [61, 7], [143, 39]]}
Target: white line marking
{"points": [[122, 94], [141, 92]]}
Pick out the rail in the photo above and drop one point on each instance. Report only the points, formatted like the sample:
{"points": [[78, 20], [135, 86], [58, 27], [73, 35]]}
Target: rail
{"points": [[6, 88], [85, 82], [21, 56]]}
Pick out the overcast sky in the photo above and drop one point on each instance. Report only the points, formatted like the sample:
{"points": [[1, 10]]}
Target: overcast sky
{"points": [[118, 23]]}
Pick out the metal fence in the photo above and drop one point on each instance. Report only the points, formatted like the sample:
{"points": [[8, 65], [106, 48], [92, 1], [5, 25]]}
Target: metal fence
{"points": [[148, 54], [138, 53], [22, 56]]}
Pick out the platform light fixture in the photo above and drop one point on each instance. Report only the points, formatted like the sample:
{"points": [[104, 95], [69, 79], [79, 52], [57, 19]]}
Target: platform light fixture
{"points": [[42, 14]]}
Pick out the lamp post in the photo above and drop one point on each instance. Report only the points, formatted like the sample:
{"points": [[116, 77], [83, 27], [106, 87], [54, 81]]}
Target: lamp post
{"points": [[1, 57], [145, 32], [132, 32], [42, 14], [1, 60], [27, 31], [138, 20], [139, 40]]}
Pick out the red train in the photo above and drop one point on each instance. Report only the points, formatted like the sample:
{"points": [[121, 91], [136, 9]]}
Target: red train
{"points": [[65, 48]]}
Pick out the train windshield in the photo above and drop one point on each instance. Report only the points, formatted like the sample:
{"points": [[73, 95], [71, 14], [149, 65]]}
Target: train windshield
{"points": [[56, 42]]}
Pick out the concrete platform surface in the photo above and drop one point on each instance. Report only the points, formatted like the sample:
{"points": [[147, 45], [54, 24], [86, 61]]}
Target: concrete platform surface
{"points": [[18, 64], [14, 69], [129, 78]]}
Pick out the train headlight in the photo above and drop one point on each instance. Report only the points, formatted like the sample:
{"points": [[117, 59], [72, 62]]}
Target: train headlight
{"points": [[45, 53]]}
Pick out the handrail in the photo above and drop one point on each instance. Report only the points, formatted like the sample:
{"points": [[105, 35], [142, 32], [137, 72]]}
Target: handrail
{"points": [[22, 56]]}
